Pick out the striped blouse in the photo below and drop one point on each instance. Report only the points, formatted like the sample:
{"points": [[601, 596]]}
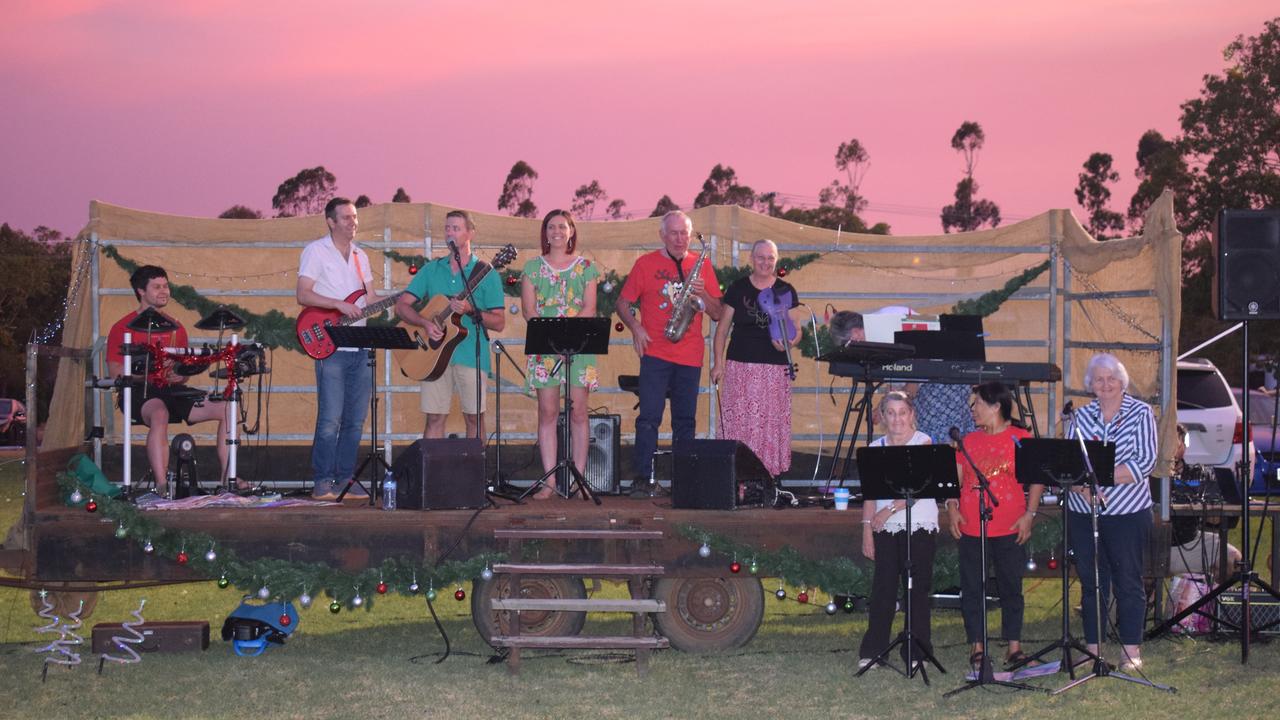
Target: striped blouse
{"points": [[1133, 430]]}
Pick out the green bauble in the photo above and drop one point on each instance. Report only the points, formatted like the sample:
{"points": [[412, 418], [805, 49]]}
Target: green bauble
{"points": [[223, 582], [335, 607]]}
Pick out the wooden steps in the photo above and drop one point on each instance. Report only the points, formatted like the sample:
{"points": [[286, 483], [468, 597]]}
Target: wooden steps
{"points": [[626, 543]]}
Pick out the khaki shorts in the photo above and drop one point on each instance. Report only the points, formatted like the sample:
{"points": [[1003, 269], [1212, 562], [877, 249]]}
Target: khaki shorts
{"points": [[436, 397]]}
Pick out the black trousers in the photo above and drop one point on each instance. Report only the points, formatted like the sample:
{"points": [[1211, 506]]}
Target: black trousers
{"points": [[1008, 560], [889, 582]]}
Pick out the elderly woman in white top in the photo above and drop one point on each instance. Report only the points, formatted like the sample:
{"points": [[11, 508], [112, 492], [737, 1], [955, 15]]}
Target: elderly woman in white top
{"points": [[885, 538], [1124, 521]]}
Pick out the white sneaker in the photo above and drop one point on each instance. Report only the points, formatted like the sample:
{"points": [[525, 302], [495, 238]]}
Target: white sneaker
{"points": [[864, 662]]}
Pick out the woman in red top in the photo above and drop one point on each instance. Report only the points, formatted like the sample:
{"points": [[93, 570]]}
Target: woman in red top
{"points": [[992, 447]]}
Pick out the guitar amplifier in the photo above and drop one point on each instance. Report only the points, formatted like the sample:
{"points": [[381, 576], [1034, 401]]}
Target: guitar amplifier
{"points": [[718, 475], [176, 636], [1264, 610]]}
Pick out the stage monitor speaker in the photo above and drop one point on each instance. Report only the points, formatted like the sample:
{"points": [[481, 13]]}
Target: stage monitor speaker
{"points": [[442, 474], [718, 475], [1247, 283], [604, 453]]}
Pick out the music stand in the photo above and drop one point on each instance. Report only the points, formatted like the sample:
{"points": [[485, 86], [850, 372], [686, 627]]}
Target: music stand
{"points": [[371, 339], [1050, 461], [866, 356], [908, 472], [1094, 481], [567, 337]]}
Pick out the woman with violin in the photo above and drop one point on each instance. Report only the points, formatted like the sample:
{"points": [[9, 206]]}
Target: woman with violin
{"points": [[755, 375]]}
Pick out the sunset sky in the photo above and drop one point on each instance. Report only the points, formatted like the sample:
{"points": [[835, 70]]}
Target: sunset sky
{"points": [[189, 107]]}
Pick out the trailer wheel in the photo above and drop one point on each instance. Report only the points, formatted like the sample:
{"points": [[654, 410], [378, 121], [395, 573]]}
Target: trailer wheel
{"points": [[709, 615], [493, 623], [65, 602]]}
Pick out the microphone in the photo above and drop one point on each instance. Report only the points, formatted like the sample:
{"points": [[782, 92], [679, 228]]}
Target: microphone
{"points": [[452, 245], [954, 432], [1066, 409]]}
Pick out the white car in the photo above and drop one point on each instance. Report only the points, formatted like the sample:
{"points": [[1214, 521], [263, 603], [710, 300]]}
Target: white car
{"points": [[1209, 411]]}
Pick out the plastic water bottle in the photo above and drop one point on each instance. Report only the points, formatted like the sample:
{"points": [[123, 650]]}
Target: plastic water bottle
{"points": [[389, 492]]}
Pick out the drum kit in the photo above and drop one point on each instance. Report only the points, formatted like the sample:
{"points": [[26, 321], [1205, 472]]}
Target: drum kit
{"points": [[149, 366]]}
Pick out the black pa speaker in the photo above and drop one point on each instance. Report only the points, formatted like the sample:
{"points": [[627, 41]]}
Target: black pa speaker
{"points": [[718, 475], [1247, 284], [443, 474], [604, 453]]}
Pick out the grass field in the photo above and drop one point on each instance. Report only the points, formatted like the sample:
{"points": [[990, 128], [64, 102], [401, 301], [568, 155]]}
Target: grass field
{"points": [[381, 663]]}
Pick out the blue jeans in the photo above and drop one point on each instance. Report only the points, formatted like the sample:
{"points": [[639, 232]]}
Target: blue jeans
{"points": [[342, 398], [658, 378], [1122, 541]]}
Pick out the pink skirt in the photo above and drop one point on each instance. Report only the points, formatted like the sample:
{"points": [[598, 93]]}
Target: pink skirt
{"points": [[755, 408]]}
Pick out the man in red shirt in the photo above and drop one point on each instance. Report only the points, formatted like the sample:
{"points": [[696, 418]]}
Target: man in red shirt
{"points": [[155, 406], [667, 368]]}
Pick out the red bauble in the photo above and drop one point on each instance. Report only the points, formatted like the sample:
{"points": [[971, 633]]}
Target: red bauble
{"points": [[91, 506], [382, 588], [513, 279], [183, 558], [413, 269], [618, 327], [782, 272], [802, 597], [735, 567], [1053, 563], [285, 620], [460, 595]]}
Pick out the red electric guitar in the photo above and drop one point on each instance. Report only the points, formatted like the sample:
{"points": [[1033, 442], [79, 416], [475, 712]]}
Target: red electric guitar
{"points": [[314, 323]]}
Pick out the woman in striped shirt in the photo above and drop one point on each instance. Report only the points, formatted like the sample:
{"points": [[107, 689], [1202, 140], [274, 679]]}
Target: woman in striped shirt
{"points": [[1124, 520]]}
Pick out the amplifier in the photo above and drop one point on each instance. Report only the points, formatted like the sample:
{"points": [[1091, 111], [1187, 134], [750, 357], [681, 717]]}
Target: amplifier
{"points": [[718, 475], [165, 637], [1263, 610], [440, 474]]}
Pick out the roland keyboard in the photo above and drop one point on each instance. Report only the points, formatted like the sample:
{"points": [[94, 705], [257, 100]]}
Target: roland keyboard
{"points": [[969, 372]]}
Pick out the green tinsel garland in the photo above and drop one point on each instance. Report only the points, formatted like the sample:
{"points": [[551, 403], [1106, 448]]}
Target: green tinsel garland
{"points": [[983, 305], [273, 328], [286, 580], [840, 575]]}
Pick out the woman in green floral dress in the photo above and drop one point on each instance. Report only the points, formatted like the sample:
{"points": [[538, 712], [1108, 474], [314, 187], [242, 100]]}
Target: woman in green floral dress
{"points": [[560, 284]]}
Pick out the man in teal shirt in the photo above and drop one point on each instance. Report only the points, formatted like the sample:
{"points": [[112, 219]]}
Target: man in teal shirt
{"points": [[443, 277]]}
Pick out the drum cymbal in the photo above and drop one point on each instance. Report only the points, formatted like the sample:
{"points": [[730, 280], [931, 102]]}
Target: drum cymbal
{"points": [[221, 319], [151, 320]]}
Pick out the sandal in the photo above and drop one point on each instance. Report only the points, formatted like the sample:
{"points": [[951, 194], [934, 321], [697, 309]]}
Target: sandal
{"points": [[1017, 660], [975, 660]]}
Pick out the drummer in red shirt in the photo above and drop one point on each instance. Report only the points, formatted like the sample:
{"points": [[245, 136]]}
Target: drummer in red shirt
{"points": [[992, 448], [154, 406]]}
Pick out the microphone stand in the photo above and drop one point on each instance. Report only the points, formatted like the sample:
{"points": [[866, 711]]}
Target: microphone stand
{"points": [[1096, 502], [482, 334], [986, 504], [499, 486]]}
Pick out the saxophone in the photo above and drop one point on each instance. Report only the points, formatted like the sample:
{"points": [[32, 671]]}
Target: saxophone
{"points": [[685, 306]]}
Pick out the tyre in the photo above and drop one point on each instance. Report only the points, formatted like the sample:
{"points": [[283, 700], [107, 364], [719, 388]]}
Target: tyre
{"points": [[493, 623], [709, 615]]}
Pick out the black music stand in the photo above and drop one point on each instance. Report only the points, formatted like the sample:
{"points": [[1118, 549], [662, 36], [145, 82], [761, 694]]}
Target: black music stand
{"points": [[908, 472], [1095, 482], [371, 339], [1058, 463], [867, 355], [567, 337]]}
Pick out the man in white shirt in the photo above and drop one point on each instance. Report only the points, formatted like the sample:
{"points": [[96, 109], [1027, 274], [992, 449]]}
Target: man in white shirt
{"points": [[331, 269]]}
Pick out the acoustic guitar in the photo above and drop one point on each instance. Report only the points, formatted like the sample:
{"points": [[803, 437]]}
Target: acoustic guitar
{"points": [[314, 323], [431, 358]]}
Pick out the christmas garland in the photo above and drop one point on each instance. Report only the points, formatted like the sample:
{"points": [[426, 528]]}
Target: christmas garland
{"points": [[273, 328], [274, 578], [840, 575], [983, 305]]}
